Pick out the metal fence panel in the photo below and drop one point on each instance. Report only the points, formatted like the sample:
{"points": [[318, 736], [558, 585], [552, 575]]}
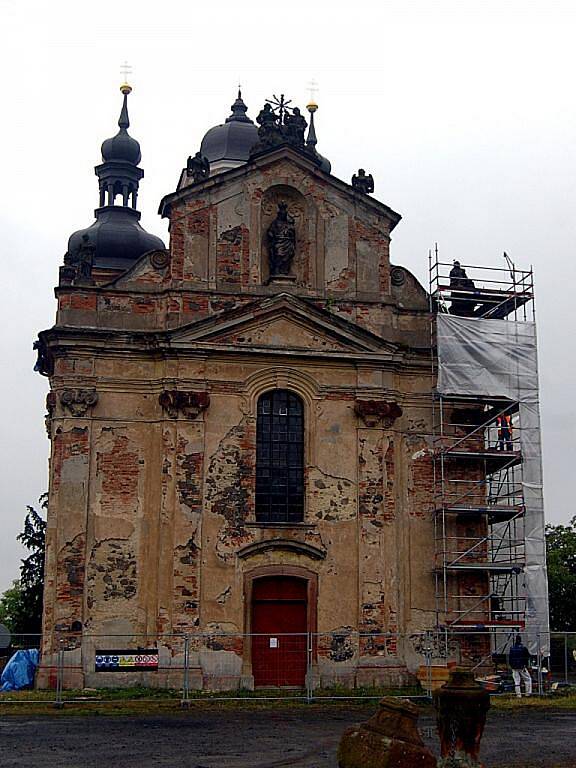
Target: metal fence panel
{"points": [[310, 666]]}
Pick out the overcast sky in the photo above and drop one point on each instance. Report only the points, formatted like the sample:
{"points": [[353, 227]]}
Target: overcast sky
{"points": [[464, 112]]}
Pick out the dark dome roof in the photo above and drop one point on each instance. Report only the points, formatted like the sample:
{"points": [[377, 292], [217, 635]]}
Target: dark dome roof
{"points": [[122, 146], [325, 164], [232, 140], [117, 237]]}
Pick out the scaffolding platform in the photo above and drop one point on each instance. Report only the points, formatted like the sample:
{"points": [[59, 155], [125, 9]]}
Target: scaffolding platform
{"points": [[494, 461], [490, 303], [495, 567], [491, 292], [493, 624], [497, 513]]}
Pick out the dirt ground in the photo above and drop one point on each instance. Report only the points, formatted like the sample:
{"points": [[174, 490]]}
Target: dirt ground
{"points": [[306, 737]]}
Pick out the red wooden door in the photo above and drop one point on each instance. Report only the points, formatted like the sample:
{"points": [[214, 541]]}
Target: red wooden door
{"points": [[279, 626]]}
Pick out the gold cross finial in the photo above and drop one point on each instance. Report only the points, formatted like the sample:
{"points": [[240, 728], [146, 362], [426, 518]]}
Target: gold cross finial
{"points": [[125, 70]]}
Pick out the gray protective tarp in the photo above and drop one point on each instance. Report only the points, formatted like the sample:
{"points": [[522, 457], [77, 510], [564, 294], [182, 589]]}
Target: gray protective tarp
{"points": [[498, 358]]}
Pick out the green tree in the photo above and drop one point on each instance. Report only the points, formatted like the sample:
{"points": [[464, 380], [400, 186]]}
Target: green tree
{"points": [[11, 606], [561, 559], [21, 604]]}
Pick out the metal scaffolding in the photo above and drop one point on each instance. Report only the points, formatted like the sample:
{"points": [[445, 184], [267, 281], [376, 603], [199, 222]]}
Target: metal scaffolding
{"points": [[479, 442]]}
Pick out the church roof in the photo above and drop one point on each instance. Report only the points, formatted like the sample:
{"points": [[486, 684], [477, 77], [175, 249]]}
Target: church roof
{"points": [[233, 139], [117, 237]]}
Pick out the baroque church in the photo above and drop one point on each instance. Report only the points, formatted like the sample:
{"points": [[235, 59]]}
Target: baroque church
{"points": [[238, 423]]}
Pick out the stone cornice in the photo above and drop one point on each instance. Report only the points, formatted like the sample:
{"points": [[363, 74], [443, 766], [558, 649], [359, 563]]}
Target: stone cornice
{"points": [[112, 345]]}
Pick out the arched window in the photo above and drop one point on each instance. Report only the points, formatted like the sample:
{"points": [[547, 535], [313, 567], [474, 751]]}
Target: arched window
{"points": [[280, 458]]}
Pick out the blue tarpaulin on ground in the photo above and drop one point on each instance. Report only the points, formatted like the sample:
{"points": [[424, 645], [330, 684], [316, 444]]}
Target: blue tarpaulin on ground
{"points": [[19, 672]]}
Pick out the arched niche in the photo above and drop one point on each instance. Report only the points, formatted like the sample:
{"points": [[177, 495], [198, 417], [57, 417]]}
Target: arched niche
{"points": [[303, 211]]}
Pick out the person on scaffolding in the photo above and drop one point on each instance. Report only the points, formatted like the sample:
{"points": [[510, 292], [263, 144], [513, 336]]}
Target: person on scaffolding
{"points": [[504, 425], [519, 659], [462, 301]]}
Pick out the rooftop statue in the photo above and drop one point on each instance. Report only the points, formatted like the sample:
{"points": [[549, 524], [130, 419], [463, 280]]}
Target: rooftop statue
{"points": [[281, 240], [269, 132], [294, 128], [78, 263], [198, 167], [362, 182], [279, 124]]}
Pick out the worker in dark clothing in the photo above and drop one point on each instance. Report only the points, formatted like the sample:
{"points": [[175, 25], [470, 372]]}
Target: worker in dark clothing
{"points": [[518, 659], [504, 424], [462, 302]]}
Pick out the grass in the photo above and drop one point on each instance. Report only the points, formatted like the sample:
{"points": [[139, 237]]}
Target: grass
{"points": [[156, 701], [557, 701]]}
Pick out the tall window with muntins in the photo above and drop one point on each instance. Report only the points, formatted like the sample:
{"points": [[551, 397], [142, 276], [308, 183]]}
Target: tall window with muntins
{"points": [[280, 458]]}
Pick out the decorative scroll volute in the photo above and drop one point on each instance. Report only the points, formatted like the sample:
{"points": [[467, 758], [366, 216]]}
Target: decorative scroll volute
{"points": [[78, 401], [189, 404], [377, 412]]}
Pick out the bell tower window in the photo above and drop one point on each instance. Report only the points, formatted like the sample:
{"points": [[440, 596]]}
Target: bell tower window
{"points": [[280, 458]]}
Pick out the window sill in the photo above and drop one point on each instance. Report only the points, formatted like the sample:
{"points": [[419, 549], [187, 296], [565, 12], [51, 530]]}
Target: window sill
{"points": [[255, 524]]}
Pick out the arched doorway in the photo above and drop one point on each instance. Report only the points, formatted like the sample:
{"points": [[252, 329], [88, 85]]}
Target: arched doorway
{"points": [[279, 631]]}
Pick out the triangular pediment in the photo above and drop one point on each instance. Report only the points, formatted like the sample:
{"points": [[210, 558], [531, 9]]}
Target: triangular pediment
{"points": [[273, 163], [282, 323]]}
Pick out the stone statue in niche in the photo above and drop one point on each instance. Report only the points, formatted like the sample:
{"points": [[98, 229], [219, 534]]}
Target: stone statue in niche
{"points": [[281, 239]]}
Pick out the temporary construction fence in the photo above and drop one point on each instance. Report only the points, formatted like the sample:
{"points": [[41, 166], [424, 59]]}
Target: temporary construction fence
{"points": [[308, 667]]}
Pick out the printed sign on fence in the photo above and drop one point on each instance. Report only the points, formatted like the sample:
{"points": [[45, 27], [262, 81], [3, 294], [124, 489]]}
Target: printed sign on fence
{"points": [[124, 661]]}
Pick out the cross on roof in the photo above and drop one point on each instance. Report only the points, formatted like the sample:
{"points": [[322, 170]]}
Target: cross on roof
{"points": [[125, 71], [312, 89]]}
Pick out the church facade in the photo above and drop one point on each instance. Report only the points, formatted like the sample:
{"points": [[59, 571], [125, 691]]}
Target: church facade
{"points": [[239, 424]]}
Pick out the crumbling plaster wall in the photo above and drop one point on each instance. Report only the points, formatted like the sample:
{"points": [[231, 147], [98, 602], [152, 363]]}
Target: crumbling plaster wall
{"points": [[148, 513], [217, 238], [168, 503]]}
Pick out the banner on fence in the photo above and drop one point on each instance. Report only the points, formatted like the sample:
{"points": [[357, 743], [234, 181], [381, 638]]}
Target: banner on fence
{"points": [[125, 661]]}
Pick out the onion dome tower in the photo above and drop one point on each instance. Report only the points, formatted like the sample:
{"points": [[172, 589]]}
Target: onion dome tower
{"points": [[228, 145], [116, 239]]}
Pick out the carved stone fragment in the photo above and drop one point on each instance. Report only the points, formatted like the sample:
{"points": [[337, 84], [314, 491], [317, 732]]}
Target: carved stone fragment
{"points": [[78, 401], [389, 739], [377, 412], [189, 404]]}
